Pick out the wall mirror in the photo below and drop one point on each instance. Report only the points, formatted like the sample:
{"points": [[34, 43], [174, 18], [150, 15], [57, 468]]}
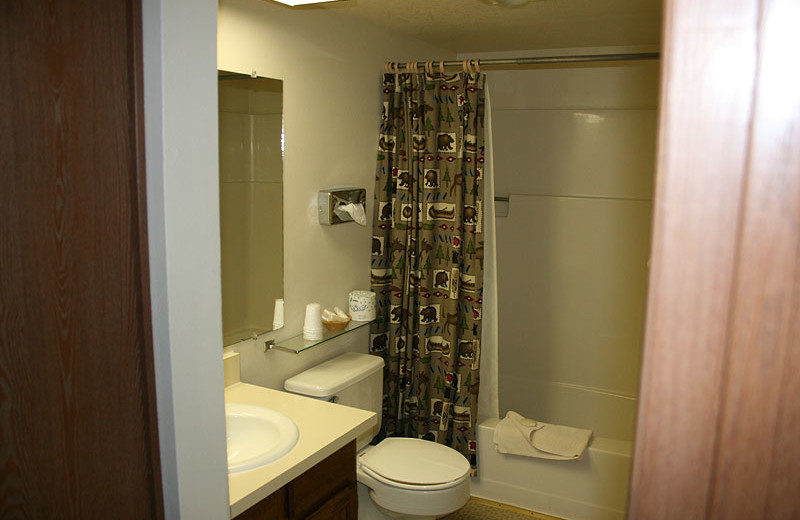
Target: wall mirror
{"points": [[251, 202]]}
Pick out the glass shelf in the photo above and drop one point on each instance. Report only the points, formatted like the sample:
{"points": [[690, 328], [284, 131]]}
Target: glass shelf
{"points": [[297, 344]]}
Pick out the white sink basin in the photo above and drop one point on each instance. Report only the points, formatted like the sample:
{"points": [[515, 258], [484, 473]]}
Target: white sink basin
{"points": [[257, 436]]}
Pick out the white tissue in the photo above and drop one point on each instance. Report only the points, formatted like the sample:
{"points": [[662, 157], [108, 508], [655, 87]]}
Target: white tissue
{"points": [[351, 210], [336, 315]]}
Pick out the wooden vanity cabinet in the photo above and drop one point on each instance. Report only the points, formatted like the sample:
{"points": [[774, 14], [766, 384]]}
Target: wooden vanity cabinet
{"points": [[325, 492]]}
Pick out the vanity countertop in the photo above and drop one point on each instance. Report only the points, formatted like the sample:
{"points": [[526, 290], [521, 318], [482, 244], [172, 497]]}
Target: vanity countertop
{"points": [[324, 428]]}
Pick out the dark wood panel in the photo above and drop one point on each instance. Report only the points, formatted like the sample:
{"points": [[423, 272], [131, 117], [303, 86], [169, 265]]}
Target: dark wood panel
{"points": [[326, 491], [705, 105], [343, 506], [78, 434], [315, 487], [274, 507]]}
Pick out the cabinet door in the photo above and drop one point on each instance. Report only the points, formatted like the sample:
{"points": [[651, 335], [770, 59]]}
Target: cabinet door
{"points": [[316, 487], [274, 507], [343, 506]]}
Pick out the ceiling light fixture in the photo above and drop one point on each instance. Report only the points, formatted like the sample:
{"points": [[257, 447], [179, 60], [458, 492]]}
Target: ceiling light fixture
{"points": [[294, 3]]}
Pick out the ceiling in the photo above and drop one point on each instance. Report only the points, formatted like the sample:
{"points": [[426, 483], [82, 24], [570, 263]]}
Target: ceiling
{"points": [[477, 26]]}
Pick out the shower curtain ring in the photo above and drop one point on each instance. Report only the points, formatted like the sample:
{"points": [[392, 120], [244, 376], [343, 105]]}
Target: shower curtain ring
{"points": [[477, 66], [441, 66]]}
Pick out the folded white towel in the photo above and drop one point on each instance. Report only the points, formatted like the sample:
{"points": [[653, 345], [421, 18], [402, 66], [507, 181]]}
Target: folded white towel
{"points": [[517, 435]]}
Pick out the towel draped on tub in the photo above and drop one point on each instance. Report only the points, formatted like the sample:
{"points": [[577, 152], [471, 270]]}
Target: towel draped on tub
{"points": [[517, 435]]}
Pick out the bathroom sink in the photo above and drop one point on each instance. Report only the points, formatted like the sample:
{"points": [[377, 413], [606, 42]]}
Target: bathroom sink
{"points": [[257, 436]]}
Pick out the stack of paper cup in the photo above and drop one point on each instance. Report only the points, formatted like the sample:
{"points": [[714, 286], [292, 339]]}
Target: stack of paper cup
{"points": [[312, 329], [362, 305]]}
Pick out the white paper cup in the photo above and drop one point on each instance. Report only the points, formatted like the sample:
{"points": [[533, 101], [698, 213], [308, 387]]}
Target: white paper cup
{"points": [[313, 319], [312, 335]]}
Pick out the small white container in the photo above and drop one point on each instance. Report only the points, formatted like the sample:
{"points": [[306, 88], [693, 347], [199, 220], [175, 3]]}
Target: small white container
{"points": [[361, 305]]}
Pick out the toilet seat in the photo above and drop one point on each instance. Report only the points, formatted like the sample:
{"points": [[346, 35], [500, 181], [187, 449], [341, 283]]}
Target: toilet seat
{"points": [[414, 464], [412, 487]]}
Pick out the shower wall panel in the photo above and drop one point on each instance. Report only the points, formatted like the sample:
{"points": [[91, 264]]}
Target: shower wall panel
{"points": [[574, 149]]}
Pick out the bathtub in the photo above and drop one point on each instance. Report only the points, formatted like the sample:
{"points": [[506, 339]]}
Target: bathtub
{"points": [[592, 488]]}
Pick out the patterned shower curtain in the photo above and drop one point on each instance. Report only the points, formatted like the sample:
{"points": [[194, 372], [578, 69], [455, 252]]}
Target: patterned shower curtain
{"points": [[427, 255]]}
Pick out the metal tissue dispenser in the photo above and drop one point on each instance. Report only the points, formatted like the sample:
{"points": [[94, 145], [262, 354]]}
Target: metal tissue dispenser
{"points": [[330, 199]]}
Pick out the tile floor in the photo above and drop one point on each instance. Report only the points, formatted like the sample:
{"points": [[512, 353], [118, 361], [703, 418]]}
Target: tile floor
{"points": [[480, 509]]}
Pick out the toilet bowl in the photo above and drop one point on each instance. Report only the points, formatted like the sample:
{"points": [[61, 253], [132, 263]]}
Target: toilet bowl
{"points": [[410, 479], [413, 478]]}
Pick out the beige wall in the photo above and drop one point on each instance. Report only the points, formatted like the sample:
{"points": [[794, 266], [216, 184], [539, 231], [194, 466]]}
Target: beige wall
{"points": [[574, 149], [331, 68]]}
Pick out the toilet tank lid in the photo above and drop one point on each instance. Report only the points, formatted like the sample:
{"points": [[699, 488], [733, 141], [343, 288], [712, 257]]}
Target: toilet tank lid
{"points": [[327, 378]]}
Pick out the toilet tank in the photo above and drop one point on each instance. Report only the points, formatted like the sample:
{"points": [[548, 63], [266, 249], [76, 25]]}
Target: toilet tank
{"points": [[351, 379]]}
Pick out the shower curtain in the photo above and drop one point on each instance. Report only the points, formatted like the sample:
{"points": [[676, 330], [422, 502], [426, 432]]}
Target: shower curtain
{"points": [[427, 255]]}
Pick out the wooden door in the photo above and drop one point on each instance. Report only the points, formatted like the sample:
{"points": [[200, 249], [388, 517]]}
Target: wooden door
{"points": [[78, 435], [718, 433], [343, 506]]}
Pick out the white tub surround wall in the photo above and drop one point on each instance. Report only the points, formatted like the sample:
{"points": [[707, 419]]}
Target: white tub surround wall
{"points": [[324, 429], [331, 69], [574, 149]]}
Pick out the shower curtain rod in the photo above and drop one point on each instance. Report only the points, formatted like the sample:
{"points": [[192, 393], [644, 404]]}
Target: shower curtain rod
{"points": [[504, 62]]}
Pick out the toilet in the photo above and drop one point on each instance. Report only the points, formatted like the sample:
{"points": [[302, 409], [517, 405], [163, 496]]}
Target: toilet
{"points": [[405, 478]]}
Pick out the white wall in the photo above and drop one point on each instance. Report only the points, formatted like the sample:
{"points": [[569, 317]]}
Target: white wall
{"points": [[182, 195], [331, 67], [574, 148]]}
